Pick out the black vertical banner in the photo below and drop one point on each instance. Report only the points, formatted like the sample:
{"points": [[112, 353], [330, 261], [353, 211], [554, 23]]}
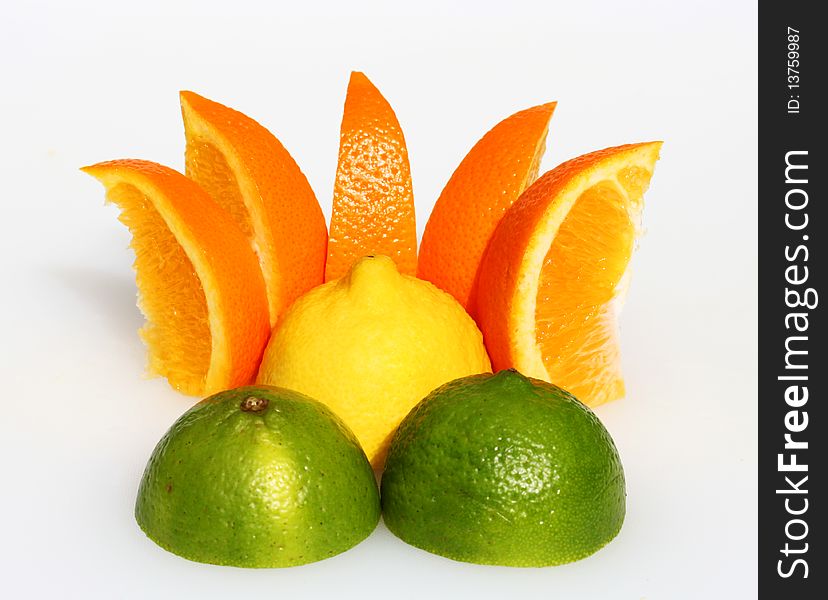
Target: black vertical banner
{"points": [[793, 368]]}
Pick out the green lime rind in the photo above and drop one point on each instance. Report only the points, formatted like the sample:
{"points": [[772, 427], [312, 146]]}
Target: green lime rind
{"points": [[503, 470], [282, 486]]}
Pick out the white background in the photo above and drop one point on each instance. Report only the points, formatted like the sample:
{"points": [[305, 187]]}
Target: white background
{"points": [[81, 83]]}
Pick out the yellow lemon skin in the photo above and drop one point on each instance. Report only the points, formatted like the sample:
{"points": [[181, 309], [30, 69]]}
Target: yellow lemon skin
{"points": [[371, 345]]}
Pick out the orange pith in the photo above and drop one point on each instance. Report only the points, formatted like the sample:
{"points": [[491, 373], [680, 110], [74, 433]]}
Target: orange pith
{"points": [[251, 175], [556, 269], [373, 203], [493, 174], [199, 283]]}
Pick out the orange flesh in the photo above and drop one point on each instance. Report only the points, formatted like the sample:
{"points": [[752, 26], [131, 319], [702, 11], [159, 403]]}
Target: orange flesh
{"points": [[177, 332], [206, 165], [575, 314]]}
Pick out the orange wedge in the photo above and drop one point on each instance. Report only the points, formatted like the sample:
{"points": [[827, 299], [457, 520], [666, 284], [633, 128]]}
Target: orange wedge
{"points": [[199, 283], [492, 175], [249, 173], [373, 203], [556, 270]]}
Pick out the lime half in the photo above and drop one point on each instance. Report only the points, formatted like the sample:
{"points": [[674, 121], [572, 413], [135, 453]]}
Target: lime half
{"points": [[505, 470], [258, 477]]}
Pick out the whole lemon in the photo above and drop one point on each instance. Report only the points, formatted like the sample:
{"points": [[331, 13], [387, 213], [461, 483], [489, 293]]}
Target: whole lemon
{"points": [[371, 345]]}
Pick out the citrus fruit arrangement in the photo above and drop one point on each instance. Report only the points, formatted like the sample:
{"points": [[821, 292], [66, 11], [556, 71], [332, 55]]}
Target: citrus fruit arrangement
{"points": [[333, 355]]}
